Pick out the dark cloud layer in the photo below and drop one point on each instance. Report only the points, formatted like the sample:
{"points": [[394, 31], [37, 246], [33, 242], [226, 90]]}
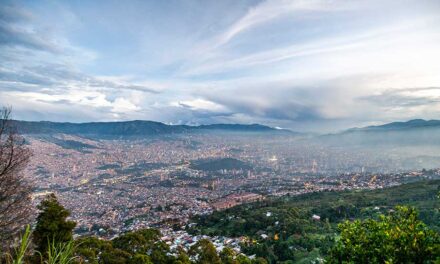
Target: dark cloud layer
{"points": [[13, 33]]}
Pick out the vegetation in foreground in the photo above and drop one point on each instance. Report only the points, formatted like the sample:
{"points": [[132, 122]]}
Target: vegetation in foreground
{"points": [[396, 238]]}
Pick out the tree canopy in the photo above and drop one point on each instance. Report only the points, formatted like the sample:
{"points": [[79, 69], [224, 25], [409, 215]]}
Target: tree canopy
{"points": [[399, 237]]}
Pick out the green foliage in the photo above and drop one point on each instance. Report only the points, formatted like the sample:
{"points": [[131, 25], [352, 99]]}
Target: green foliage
{"points": [[52, 226], [137, 247], [182, 257], [60, 253], [227, 256], [88, 249], [396, 238], [242, 259], [145, 247], [283, 251], [140, 259], [115, 256], [204, 252], [299, 237], [142, 241], [259, 261], [20, 252]]}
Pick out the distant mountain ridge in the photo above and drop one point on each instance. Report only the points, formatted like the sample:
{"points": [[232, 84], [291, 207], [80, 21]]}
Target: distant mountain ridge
{"points": [[411, 124], [415, 132], [132, 128], [240, 127]]}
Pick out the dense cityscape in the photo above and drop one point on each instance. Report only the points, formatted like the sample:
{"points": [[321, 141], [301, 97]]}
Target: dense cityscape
{"points": [[116, 185]]}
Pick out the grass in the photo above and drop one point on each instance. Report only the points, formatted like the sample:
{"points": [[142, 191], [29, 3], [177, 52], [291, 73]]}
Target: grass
{"points": [[58, 253], [62, 253], [20, 252]]}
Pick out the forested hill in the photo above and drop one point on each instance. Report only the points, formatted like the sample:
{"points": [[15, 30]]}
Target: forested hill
{"points": [[285, 229]]}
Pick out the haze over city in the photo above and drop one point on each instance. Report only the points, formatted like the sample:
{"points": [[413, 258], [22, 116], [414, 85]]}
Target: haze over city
{"points": [[317, 66]]}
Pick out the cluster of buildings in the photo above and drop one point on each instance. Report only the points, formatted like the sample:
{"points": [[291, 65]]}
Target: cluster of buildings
{"points": [[236, 199], [181, 239]]}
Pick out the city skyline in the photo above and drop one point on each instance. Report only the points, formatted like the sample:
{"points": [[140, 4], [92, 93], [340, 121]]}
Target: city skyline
{"points": [[301, 65]]}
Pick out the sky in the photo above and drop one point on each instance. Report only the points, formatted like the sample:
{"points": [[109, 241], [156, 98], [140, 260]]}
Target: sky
{"points": [[305, 65]]}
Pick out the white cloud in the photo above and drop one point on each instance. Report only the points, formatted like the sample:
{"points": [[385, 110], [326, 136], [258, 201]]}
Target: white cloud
{"points": [[200, 104], [122, 105]]}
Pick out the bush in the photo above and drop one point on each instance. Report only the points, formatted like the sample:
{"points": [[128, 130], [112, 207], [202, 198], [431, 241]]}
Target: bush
{"points": [[396, 238]]}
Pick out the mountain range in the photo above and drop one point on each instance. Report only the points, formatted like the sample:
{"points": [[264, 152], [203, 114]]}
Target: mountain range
{"points": [[415, 132], [143, 128], [411, 124], [134, 128]]}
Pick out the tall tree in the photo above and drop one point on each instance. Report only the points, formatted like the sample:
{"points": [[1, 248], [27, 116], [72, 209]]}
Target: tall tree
{"points": [[52, 224], [14, 189]]}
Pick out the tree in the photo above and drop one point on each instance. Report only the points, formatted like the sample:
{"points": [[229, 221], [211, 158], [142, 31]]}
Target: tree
{"points": [[242, 259], [205, 253], [52, 224], [88, 249], [283, 251], [259, 261], [140, 259], [132, 242], [15, 191], [115, 256], [227, 256], [182, 257], [396, 238], [144, 241]]}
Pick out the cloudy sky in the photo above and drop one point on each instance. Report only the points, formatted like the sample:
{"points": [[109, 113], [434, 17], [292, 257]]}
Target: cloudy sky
{"points": [[301, 64]]}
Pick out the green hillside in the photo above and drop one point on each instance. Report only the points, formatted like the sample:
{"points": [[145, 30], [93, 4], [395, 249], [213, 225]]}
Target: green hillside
{"points": [[283, 229]]}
